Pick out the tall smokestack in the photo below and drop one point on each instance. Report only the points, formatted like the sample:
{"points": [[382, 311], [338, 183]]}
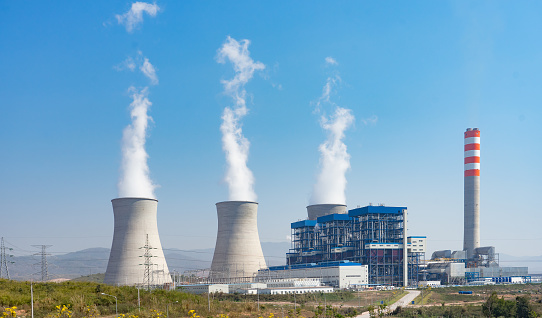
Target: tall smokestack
{"points": [[238, 253], [317, 210], [471, 238], [136, 253]]}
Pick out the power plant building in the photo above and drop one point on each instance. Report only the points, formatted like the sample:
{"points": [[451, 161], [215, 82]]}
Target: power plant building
{"points": [[373, 236], [136, 257], [339, 274]]}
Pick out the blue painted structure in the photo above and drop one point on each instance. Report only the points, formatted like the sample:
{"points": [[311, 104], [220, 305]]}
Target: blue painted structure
{"points": [[337, 237]]}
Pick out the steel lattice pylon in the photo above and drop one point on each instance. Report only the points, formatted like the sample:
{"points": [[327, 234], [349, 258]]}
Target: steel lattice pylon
{"points": [[44, 266], [4, 271], [148, 277]]}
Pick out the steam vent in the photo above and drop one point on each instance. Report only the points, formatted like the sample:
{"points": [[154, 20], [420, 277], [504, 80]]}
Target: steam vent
{"points": [[238, 253], [136, 253]]}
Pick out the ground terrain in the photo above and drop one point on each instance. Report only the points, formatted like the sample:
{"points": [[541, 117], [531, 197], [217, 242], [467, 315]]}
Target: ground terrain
{"points": [[84, 297]]}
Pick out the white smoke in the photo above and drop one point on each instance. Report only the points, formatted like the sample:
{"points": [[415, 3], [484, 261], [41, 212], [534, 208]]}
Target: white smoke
{"points": [[134, 16], [334, 159], [331, 61], [134, 180], [127, 64], [148, 69], [238, 176], [144, 66]]}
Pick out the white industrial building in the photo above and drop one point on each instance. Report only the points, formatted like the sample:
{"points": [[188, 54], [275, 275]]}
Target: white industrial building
{"points": [[273, 287], [340, 274], [296, 290], [205, 288]]}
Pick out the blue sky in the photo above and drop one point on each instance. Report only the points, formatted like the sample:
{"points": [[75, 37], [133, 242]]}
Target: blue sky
{"points": [[426, 69]]}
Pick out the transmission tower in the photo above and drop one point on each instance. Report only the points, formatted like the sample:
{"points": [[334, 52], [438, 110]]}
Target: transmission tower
{"points": [[44, 267], [148, 277], [4, 272]]}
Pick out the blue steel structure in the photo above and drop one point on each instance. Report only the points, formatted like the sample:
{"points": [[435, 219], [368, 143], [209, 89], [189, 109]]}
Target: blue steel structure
{"points": [[371, 235]]}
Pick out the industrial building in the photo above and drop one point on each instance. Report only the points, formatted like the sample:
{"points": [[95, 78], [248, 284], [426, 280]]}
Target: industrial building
{"points": [[272, 286], [204, 288], [474, 264], [238, 253], [136, 252], [374, 236], [296, 290], [338, 274]]}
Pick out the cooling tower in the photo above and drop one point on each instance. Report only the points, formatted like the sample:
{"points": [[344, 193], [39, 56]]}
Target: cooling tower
{"points": [[471, 238], [136, 253], [317, 210], [238, 253]]}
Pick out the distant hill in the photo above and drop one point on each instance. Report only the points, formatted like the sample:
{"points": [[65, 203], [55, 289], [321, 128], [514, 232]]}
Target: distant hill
{"points": [[86, 263], [70, 265], [533, 262], [94, 278]]}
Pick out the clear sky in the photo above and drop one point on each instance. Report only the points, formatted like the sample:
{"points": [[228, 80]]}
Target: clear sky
{"points": [[415, 75]]}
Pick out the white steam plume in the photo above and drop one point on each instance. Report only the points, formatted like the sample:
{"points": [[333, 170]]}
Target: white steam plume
{"points": [[144, 66], [148, 69], [334, 159], [331, 61], [134, 180], [134, 16], [238, 176]]}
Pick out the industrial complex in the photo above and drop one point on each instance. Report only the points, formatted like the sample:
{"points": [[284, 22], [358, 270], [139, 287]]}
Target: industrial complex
{"points": [[473, 264], [333, 248]]}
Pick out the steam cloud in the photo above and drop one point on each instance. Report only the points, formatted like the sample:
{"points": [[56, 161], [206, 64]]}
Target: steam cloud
{"points": [[135, 180], [134, 16], [331, 61], [149, 71], [334, 159], [144, 66], [238, 176]]}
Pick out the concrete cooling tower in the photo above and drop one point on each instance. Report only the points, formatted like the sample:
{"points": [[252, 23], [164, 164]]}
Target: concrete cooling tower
{"points": [[471, 238], [317, 210], [136, 253], [238, 253]]}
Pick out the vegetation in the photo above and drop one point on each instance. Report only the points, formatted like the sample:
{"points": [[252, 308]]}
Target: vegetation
{"points": [[486, 301], [85, 299]]}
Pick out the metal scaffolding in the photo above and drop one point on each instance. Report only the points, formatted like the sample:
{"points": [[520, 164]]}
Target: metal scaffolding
{"points": [[371, 235]]}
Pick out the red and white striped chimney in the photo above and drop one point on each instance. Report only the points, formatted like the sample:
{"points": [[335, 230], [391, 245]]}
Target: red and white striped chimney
{"points": [[471, 238]]}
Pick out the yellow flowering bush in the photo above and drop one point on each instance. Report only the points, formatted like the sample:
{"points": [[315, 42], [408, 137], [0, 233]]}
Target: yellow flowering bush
{"points": [[192, 314], [62, 311], [127, 316], [9, 312], [156, 314], [91, 312]]}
